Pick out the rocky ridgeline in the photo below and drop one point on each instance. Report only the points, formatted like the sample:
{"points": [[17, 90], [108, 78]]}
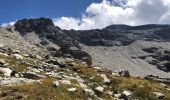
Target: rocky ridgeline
{"points": [[46, 30], [69, 75]]}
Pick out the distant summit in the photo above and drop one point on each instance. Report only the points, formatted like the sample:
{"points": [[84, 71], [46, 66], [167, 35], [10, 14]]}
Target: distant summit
{"points": [[29, 25]]}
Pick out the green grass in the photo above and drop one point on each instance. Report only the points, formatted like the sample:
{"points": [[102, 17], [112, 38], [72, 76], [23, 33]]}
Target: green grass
{"points": [[19, 65], [141, 89], [46, 91]]}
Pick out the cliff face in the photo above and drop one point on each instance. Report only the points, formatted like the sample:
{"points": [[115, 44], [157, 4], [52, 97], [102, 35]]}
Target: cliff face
{"points": [[45, 29]]}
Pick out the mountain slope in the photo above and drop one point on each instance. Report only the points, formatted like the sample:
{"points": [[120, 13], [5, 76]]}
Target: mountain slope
{"points": [[114, 47]]}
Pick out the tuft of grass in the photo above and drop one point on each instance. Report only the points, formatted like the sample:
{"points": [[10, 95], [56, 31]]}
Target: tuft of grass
{"points": [[46, 91], [85, 70]]}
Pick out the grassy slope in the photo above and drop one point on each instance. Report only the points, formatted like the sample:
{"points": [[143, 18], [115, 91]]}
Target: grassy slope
{"points": [[142, 89]]}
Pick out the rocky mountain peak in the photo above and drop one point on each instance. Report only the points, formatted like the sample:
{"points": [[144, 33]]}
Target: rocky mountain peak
{"points": [[29, 25]]}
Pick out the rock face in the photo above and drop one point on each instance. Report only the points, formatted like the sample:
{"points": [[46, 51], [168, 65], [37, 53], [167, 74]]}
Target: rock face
{"points": [[45, 28], [120, 35]]}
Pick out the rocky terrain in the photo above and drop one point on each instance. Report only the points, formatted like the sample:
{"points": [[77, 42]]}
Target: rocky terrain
{"points": [[38, 60]]}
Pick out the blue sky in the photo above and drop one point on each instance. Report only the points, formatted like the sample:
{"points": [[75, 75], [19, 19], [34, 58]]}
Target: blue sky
{"points": [[87, 14], [11, 10]]}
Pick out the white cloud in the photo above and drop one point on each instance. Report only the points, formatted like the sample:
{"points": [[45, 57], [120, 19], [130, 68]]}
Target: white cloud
{"points": [[8, 24], [131, 12]]}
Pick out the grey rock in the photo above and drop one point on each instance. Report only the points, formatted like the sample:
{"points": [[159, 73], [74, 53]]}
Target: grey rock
{"points": [[6, 71], [15, 81], [32, 75], [89, 92], [18, 56], [56, 83], [106, 80], [66, 82], [2, 62], [127, 93], [159, 95], [72, 89], [125, 73], [99, 89]]}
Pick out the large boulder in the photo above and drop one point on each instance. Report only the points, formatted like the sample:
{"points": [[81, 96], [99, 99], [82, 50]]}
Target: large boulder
{"points": [[159, 95], [76, 54], [125, 73], [5, 71], [32, 75]]}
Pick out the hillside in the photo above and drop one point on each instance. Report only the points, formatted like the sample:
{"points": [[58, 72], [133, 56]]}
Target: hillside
{"points": [[117, 62]]}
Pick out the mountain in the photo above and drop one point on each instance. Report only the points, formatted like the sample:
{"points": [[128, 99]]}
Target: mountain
{"points": [[38, 60], [116, 47]]}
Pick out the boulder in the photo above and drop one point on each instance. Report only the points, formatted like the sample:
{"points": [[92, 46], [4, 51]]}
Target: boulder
{"points": [[56, 83], [99, 89], [76, 54], [125, 73], [60, 63], [18, 56], [72, 89], [89, 91], [6, 71], [1, 45], [15, 81], [65, 82], [39, 57], [84, 86], [159, 95], [127, 93], [32, 75], [115, 73], [2, 62], [106, 80]]}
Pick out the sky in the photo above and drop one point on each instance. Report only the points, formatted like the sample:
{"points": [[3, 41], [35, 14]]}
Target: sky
{"points": [[87, 14]]}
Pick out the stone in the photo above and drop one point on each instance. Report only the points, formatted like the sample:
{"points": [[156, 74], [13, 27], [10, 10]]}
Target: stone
{"points": [[115, 73], [109, 93], [72, 89], [159, 95], [106, 80], [97, 68], [89, 91], [32, 75], [127, 93], [60, 63], [125, 73], [16, 51], [99, 89], [6, 71], [66, 82], [25, 55], [16, 81], [84, 86], [117, 95], [163, 85], [4, 54], [1, 45], [18, 56], [56, 83], [2, 62], [53, 74], [39, 57]]}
